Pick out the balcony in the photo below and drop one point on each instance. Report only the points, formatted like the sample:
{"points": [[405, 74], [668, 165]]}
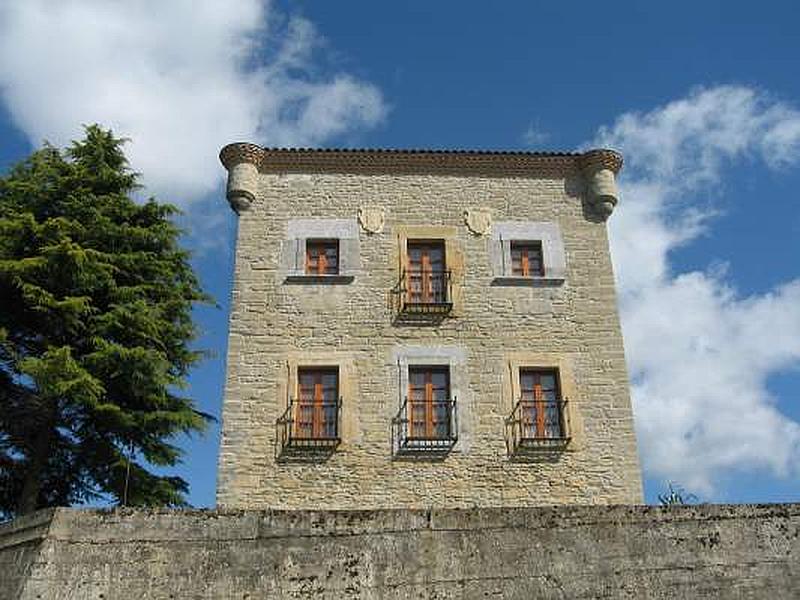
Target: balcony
{"points": [[309, 429], [425, 428], [425, 292], [536, 425]]}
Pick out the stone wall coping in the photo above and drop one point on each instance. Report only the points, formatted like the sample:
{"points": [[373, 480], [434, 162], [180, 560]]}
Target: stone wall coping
{"points": [[26, 528], [97, 525], [415, 161]]}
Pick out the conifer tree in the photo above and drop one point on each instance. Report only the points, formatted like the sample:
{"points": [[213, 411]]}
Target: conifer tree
{"points": [[95, 331]]}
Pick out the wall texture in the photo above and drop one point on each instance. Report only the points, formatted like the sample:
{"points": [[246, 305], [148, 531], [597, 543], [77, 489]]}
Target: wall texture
{"points": [[279, 323], [557, 552]]}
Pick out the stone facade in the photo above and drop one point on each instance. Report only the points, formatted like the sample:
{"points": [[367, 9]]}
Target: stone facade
{"points": [[476, 204]]}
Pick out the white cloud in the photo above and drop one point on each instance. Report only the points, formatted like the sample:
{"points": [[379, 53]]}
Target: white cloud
{"points": [[180, 78], [699, 353], [534, 135]]}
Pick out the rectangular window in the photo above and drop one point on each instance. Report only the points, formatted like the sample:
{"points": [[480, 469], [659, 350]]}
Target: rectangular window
{"points": [[317, 405], [322, 257], [540, 404], [526, 259], [426, 273], [429, 404]]}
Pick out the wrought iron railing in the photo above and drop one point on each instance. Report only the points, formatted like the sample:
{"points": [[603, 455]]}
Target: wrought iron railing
{"points": [[537, 424], [425, 291], [425, 426], [309, 425]]}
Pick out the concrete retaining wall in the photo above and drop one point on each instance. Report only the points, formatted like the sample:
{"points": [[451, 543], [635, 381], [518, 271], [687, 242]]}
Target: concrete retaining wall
{"points": [[560, 552]]}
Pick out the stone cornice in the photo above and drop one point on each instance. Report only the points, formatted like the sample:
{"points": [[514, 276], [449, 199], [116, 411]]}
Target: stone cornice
{"points": [[376, 161], [602, 158]]}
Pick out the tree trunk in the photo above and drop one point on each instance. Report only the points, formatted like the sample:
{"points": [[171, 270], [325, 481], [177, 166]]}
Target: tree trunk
{"points": [[32, 484]]}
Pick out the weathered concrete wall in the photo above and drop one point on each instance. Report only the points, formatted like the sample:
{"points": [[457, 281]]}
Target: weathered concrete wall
{"points": [[558, 552], [21, 544], [278, 324]]}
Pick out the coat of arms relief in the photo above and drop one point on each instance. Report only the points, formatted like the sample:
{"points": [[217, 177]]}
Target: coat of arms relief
{"points": [[371, 218], [478, 220]]}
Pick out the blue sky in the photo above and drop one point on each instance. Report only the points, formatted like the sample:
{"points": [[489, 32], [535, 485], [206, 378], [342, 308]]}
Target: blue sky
{"points": [[703, 98]]}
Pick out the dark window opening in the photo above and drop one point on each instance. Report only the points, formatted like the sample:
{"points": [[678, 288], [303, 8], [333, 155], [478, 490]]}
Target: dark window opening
{"points": [[309, 427], [539, 420], [540, 404], [427, 424], [426, 280], [428, 402], [316, 410], [526, 259], [322, 257]]}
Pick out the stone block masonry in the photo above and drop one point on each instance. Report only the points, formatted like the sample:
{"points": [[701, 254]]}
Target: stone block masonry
{"points": [[578, 552], [375, 204]]}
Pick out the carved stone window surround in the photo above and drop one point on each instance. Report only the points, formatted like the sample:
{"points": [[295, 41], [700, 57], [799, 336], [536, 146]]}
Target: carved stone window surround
{"points": [[293, 249], [553, 253]]}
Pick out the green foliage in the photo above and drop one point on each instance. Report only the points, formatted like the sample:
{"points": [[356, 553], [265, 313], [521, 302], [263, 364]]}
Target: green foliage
{"points": [[95, 331], [676, 496]]}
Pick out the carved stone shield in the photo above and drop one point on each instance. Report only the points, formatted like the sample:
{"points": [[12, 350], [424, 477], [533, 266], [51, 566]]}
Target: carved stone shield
{"points": [[371, 218], [478, 220]]}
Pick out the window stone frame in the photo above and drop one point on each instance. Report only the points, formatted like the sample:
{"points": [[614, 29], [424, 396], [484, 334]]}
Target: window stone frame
{"points": [[288, 388], [293, 249], [565, 365], [453, 357], [553, 252], [453, 251]]}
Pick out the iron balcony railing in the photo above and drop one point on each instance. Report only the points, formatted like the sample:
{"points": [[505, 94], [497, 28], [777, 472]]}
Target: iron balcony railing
{"points": [[425, 426], [426, 291], [309, 425], [537, 424]]}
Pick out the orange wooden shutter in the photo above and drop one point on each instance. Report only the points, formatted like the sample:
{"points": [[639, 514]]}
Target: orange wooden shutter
{"points": [[540, 408]]}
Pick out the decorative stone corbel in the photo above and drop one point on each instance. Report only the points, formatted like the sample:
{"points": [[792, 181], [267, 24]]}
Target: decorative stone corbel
{"points": [[241, 161], [600, 167]]}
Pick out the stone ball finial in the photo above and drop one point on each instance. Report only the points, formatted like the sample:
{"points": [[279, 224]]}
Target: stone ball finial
{"points": [[242, 162], [600, 168]]}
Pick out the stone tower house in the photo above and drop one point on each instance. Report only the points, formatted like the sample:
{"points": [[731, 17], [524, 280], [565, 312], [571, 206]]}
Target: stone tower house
{"points": [[424, 328]]}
